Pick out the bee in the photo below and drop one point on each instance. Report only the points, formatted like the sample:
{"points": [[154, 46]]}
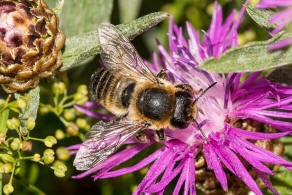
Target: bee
{"points": [[138, 98]]}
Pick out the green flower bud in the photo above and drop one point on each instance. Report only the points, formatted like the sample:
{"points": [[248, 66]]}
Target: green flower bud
{"points": [[62, 153], [59, 134], [15, 144], [59, 168], [8, 189], [30, 123], [72, 129], [13, 123], [80, 98], [69, 114], [21, 103], [87, 127], [58, 88], [44, 110], [6, 168], [82, 89], [81, 123], [49, 156], [36, 157], [50, 141], [17, 171]]}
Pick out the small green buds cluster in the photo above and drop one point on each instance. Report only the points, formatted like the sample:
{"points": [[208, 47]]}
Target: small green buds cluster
{"points": [[81, 96], [13, 123], [48, 156], [8, 189], [59, 168], [49, 141], [58, 88]]}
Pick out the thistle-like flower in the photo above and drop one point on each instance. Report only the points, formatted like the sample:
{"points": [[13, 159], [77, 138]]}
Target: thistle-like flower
{"points": [[227, 147], [31, 43], [282, 19]]}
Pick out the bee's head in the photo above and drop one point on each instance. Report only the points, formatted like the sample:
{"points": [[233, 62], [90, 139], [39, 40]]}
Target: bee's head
{"points": [[185, 110]]}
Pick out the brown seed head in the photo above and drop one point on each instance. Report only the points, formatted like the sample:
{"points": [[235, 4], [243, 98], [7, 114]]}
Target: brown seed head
{"points": [[30, 43]]}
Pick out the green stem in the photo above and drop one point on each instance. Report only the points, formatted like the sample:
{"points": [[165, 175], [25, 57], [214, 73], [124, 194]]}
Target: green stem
{"points": [[36, 139]]}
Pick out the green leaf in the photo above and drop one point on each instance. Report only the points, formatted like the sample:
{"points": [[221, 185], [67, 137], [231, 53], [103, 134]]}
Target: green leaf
{"points": [[3, 118], [79, 16], [32, 105], [252, 57], [80, 48], [129, 9], [261, 17]]}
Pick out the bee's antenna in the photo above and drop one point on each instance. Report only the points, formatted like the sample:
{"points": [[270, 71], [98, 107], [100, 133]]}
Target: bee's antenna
{"points": [[195, 101], [202, 132]]}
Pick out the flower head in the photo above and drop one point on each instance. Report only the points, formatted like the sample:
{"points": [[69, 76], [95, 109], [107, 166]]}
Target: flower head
{"points": [[282, 19], [31, 43], [228, 148]]}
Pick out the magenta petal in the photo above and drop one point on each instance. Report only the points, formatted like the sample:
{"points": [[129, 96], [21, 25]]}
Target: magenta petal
{"points": [[94, 114], [266, 181], [214, 164], [255, 135]]}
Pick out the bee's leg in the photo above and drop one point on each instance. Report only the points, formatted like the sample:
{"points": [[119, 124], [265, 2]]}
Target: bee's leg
{"points": [[142, 137], [159, 136], [162, 74]]}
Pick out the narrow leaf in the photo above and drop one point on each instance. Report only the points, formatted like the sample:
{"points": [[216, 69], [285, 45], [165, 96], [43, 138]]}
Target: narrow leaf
{"points": [[252, 57], [129, 9], [3, 118], [261, 17], [79, 48]]}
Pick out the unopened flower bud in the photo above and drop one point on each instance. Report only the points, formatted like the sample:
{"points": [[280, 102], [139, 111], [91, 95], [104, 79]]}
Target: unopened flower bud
{"points": [[13, 123], [50, 141], [26, 146], [15, 144], [80, 98], [72, 129], [49, 156], [21, 103], [8, 189], [81, 123], [59, 168], [44, 110], [59, 88], [59, 134], [7, 157], [6, 168], [36, 157], [2, 137], [69, 114], [62, 153], [82, 89], [30, 123]]}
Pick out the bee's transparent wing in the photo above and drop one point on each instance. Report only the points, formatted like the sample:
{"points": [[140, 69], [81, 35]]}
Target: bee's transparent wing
{"points": [[103, 139], [119, 53]]}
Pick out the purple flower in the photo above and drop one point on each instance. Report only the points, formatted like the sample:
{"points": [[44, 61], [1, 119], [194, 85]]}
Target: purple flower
{"points": [[229, 100], [282, 18]]}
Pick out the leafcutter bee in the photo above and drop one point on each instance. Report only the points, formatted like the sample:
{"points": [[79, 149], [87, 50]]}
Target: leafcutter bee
{"points": [[139, 98]]}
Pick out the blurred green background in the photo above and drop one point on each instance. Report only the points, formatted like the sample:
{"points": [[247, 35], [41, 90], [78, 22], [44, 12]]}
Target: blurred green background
{"points": [[198, 12]]}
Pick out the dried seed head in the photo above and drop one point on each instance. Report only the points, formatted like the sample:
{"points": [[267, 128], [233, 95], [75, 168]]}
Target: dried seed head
{"points": [[206, 180], [30, 43]]}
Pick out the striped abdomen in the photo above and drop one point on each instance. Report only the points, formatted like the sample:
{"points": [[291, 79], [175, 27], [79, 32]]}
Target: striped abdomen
{"points": [[112, 90]]}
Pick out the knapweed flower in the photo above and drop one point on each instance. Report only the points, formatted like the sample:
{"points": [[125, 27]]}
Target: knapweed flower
{"points": [[228, 148], [282, 19], [31, 43]]}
